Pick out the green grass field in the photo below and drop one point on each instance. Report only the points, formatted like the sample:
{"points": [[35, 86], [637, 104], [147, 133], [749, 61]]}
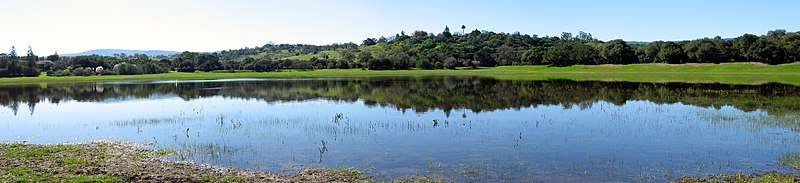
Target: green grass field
{"points": [[731, 73]]}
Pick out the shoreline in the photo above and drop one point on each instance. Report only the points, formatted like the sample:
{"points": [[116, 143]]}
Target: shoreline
{"points": [[113, 161], [728, 73]]}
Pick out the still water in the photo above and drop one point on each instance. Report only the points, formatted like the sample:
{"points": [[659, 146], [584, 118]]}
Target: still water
{"points": [[465, 129]]}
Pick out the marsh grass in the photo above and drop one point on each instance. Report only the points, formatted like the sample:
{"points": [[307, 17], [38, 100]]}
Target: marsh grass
{"points": [[752, 122], [790, 160], [221, 179], [164, 152], [150, 122], [11, 145], [345, 171], [468, 169], [211, 151], [338, 117], [15, 151], [28, 174]]}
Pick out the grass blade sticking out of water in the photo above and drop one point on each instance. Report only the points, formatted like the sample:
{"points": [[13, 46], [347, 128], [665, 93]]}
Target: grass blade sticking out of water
{"points": [[752, 122], [790, 160], [150, 121]]}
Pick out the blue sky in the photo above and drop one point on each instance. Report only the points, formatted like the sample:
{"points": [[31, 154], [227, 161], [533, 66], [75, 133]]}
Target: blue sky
{"points": [[206, 25]]}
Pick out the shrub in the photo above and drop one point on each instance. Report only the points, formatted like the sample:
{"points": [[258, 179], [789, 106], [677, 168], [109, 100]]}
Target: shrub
{"points": [[30, 72]]}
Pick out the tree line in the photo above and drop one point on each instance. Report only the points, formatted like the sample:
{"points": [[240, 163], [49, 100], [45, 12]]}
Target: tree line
{"points": [[12, 65], [446, 50], [488, 49], [424, 50]]}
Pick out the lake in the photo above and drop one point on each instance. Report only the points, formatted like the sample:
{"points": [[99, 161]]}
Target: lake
{"points": [[465, 129]]}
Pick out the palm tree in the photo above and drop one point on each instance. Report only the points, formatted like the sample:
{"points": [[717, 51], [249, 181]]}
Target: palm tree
{"points": [[463, 27]]}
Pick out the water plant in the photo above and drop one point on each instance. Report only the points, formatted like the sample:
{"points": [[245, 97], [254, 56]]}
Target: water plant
{"points": [[338, 117], [790, 160], [467, 169], [323, 149], [164, 152]]}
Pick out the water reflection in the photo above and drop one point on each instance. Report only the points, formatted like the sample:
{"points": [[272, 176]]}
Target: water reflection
{"points": [[425, 93], [463, 128]]}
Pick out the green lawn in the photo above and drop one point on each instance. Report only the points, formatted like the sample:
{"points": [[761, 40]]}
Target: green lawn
{"points": [[733, 73]]}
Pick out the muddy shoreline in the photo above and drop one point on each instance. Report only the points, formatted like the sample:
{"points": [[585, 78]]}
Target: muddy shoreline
{"points": [[110, 161]]}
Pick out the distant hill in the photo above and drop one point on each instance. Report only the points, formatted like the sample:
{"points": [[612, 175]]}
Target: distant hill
{"points": [[648, 42], [111, 52], [637, 42]]}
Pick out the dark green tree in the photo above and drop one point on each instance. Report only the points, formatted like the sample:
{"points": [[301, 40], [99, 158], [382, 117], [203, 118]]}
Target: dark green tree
{"points": [[13, 53], [152, 68], [54, 57], [568, 53], [618, 52], [369, 42], [744, 48], [506, 55], [424, 63], [703, 51], [770, 52], [566, 36], [648, 53], [31, 58], [672, 53], [450, 63], [364, 57], [208, 62], [187, 61], [484, 57], [127, 69], [534, 56]]}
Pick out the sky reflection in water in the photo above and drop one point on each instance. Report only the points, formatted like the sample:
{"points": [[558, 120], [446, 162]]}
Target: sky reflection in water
{"points": [[397, 127]]}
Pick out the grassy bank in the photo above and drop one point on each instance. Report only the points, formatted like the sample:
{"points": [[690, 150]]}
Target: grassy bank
{"points": [[733, 73], [124, 162]]}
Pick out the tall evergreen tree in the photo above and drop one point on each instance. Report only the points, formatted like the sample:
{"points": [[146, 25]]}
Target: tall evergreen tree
{"points": [[31, 58], [13, 53]]}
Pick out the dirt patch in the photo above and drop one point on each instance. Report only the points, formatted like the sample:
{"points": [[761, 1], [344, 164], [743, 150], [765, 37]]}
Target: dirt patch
{"points": [[743, 178], [107, 161]]}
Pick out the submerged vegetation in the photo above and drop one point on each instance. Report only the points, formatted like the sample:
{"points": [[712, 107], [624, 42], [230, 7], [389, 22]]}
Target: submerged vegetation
{"points": [[790, 160]]}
